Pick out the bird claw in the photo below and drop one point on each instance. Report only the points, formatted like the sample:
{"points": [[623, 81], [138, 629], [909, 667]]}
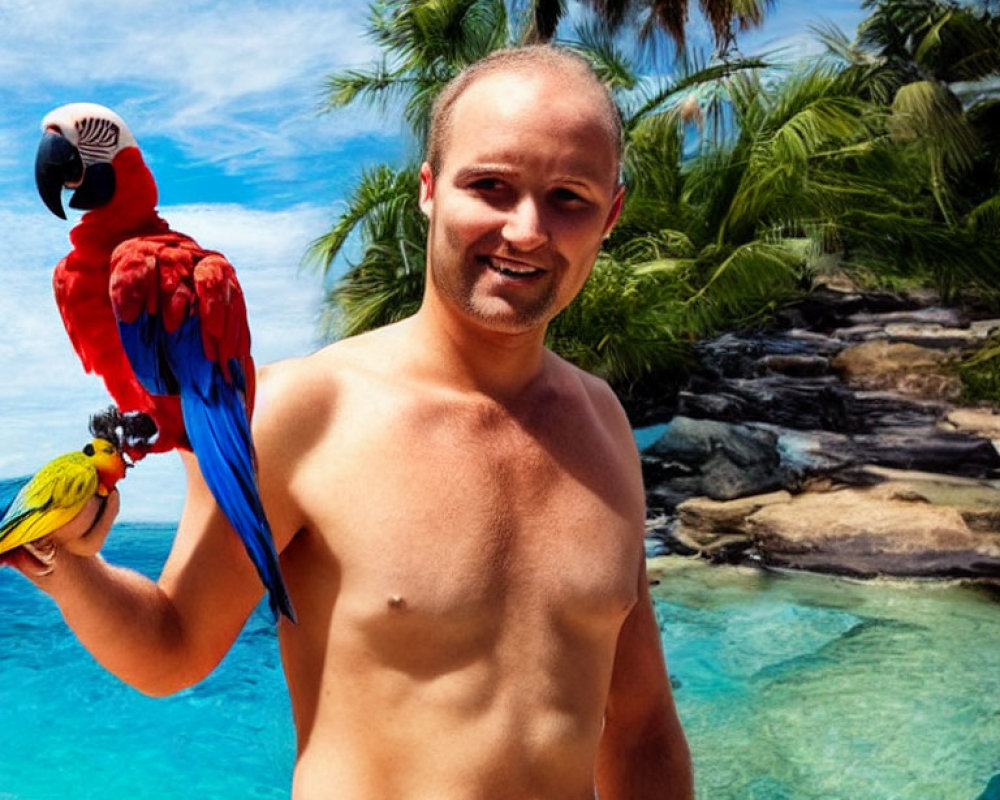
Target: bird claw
{"points": [[44, 552]]}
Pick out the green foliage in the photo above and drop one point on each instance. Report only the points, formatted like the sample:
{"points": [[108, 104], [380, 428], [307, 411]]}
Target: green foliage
{"points": [[872, 153], [620, 325], [424, 43], [386, 283], [940, 160], [980, 374]]}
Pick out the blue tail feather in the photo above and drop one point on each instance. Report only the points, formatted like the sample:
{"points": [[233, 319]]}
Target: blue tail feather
{"points": [[217, 427]]}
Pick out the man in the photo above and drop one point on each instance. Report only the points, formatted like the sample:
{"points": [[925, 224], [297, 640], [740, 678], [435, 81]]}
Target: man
{"points": [[459, 511]]}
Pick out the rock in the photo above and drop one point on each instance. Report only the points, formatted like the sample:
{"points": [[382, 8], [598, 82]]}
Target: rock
{"points": [[859, 333], [902, 367], [984, 328], [833, 445], [977, 500], [908, 523], [929, 451], [701, 520], [826, 308], [866, 532], [803, 403], [983, 422], [871, 412], [934, 315], [796, 365], [727, 460], [797, 351], [932, 336]]}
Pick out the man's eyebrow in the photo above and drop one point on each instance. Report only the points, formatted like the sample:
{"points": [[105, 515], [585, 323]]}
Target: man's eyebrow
{"points": [[583, 179], [477, 170]]}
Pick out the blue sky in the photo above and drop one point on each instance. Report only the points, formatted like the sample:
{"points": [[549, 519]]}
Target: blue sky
{"points": [[223, 98]]}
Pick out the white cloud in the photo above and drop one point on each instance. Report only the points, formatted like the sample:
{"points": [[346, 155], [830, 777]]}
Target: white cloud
{"points": [[221, 79]]}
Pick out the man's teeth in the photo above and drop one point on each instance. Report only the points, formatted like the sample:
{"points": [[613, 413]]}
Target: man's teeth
{"points": [[514, 270]]}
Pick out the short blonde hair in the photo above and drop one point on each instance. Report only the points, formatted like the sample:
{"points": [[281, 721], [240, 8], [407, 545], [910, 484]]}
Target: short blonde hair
{"points": [[527, 59]]}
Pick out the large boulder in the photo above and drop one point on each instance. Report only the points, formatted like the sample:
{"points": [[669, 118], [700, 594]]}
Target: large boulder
{"points": [[910, 523], [715, 459]]}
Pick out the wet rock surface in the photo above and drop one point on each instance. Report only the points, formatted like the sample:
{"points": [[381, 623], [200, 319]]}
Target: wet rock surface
{"points": [[836, 444]]}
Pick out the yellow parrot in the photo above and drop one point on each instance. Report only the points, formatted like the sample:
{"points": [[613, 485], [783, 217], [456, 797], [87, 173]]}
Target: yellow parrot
{"points": [[60, 489]]}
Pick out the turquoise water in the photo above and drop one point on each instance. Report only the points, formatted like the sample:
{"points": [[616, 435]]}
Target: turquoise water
{"points": [[791, 688], [803, 687], [71, 731]]}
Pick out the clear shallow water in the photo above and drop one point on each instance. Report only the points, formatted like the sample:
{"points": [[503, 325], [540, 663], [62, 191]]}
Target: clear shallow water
{"points": [[795, 687], [791, 688]]}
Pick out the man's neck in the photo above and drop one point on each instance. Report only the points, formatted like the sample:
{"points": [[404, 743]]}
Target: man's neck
{"points": [[473, 358]]}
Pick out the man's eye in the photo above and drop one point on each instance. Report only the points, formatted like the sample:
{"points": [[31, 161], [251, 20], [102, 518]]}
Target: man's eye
{"points": [[569, 196], [486, 185]]}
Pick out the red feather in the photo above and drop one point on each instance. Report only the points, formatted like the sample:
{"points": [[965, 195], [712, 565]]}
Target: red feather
{"points": [[126, 260]]}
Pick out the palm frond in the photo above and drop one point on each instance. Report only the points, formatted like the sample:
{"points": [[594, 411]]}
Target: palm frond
{"points": [[753, 279], [379, 203], [619, 327], [984, 219]]}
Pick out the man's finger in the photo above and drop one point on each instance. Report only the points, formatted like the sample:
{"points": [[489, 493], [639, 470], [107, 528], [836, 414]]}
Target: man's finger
{"points": [[101, 513]]}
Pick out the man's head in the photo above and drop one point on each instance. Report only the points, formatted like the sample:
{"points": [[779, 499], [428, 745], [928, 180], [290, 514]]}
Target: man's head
{"points": [[527, 60], [523, 188]]}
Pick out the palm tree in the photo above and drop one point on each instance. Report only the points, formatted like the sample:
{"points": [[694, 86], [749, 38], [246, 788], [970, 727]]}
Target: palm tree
{"points": [[931, 63], [424, 44], [386, 283], [653, 16]]}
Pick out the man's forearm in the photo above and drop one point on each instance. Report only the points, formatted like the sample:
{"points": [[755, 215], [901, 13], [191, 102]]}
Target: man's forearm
{"points": [[122, 618], [655, 766]]}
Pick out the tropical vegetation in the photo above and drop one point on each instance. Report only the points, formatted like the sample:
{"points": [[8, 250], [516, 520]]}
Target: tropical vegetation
{"points": [[744, 176]]}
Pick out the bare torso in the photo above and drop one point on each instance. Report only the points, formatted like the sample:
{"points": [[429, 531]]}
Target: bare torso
{"points": [[461, 575]]}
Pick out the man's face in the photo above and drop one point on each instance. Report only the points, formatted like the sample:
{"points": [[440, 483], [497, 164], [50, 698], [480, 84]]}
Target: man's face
{"points": [[526, 191]]}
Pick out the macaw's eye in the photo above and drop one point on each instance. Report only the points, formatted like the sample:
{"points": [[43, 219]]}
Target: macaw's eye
{"points": [[88, 450]]}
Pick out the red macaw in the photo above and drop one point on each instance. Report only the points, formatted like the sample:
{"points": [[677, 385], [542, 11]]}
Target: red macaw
{"points": [[161, 320]]}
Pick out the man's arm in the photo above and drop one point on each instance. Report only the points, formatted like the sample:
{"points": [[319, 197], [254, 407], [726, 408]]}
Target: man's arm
{"points": [[158, 637], [643, 753], [162, 636]]}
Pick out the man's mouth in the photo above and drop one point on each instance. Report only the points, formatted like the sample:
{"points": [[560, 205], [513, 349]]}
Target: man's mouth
{"points": [[513, 269]]}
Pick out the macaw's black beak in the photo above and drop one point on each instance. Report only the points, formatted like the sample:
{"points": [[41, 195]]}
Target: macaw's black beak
{"points": [[57, 163]]}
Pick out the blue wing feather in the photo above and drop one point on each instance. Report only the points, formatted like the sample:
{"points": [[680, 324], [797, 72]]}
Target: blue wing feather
{"points": [[217, 427], [10, 490], [17, 509], [145, 343]]}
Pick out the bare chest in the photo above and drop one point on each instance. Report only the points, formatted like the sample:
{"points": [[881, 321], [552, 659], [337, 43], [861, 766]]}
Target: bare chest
{"points": [[453, 528]]}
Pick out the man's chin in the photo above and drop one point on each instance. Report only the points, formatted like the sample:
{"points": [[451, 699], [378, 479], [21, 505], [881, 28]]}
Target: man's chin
{"points": [[500, 316]]}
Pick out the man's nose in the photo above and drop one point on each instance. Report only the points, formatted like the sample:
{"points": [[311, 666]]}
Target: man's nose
{"points": [[525, 227]]}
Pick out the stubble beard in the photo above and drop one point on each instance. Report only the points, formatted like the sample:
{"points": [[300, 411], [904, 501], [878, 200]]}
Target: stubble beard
{"points": [[461, 281]]}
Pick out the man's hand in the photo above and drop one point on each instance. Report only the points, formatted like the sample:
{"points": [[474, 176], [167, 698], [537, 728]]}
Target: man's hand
{"points": [[84, 535]]}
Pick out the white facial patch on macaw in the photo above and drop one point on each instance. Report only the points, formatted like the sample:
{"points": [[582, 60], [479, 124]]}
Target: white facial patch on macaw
{"points": [[96, 131]]}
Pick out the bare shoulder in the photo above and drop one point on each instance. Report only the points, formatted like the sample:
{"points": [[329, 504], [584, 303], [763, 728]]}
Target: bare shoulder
{"points": [[598, 395], [298, 399]]}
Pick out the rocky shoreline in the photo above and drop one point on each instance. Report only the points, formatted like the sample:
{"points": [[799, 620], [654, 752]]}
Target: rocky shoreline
{"points": [[834, 443]]}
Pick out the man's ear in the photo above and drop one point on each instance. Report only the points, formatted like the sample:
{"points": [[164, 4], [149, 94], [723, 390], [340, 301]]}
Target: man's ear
{"points": [[426, 189], [615, 212]]}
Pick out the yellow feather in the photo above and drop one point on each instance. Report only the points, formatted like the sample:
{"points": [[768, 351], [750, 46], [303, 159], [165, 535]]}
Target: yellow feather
{"points": [[49, 500]]}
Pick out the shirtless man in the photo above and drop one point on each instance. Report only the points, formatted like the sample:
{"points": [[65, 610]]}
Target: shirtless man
{"points": [[459, 511]]}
